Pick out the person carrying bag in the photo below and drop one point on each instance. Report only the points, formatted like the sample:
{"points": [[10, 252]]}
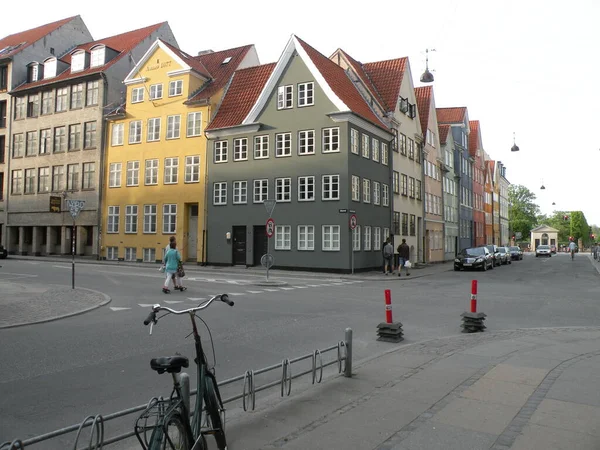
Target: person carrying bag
{"points": [[173, 267]]}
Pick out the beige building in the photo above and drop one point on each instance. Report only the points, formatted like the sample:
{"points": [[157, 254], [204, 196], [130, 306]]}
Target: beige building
{"points": [[543, 235]]}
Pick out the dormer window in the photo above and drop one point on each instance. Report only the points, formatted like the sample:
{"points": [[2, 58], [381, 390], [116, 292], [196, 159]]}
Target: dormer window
{"points": [[50, 68], [403, 105], [78, 61], [33, 72], [98, 57]]}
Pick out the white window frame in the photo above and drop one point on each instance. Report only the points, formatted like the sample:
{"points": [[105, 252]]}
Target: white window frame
{"points": [[112, 253], [156, 91], [386, 233], [115, 175], [375, 151], [306, 94], [174, 126], [261, 146], [130, 254], [137, 95], [118, 134], [113, 219], [169, 212], [285, 97], [355, 188], [306, 142], [367, 238], [331, 140], [240, 192], [192, 169], [150, 218], [135, 131], [149, 255], [283, 237], [283, 145], [283, 190], [304, 193], [261, 189], [220, 152], [151, 171], [240, 149], [366, 187], [306, 237], [354, 141], [366, 146], [220, 193], [385, 195], [131, 219], [356, 239], [330, 181], [385, 156], [194, 124], [171, 173], [175, 88], [98, 56], [153, 134], [376, 193], [376, 238], [132, 177], [330, 238]]}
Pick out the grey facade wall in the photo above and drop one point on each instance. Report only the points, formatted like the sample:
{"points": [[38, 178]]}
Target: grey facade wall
{"points": [[451, 201]]}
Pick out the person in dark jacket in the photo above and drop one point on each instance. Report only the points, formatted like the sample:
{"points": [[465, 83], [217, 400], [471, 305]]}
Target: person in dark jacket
{"points": [[382, 255], [403, 257]]}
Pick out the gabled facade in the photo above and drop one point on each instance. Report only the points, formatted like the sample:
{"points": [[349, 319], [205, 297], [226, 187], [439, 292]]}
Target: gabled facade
{"points": [[20, 56], [490, 237], [58, 137], [476, 153], [503, 185], [300, 133], [450, 186], [433, 161], [155, 173], [458, 119]]}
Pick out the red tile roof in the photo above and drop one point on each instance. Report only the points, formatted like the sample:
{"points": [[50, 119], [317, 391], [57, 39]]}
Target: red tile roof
{"points": [[364, 77], [189, 60], [122, 43], [26, 38], [423, 95], [451, 115], [473, 137], [220, 73], [387, 77], [341, 85], [443, 132], [245, 88]]}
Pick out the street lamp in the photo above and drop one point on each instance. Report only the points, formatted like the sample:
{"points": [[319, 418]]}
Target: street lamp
{"points": [[427, 76], [543, 187], [515, 147]]}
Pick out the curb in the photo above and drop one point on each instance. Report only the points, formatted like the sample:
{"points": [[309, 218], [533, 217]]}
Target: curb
{"points": [[107, 300]]}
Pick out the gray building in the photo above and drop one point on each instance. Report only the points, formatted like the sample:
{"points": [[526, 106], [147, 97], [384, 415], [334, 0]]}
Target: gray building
{"points": [[57, 139], [298, 132], [16, 52], [450, 185]]}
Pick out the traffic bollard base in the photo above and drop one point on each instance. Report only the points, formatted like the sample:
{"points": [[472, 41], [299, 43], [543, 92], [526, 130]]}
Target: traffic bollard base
{"points": [[390, 332], [473, 322]]}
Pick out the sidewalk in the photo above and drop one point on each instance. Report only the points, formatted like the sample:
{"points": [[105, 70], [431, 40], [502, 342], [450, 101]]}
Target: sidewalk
{"points": [[522, 390]]}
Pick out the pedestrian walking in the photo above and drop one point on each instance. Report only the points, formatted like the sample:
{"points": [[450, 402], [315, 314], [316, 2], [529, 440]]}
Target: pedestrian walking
{"points": [[172, 262], [383, 261], [403, 257], [388, 255], [173, 239]]}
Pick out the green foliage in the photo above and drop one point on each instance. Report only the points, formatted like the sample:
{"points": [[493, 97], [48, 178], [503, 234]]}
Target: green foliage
{"points": [[523, 210], [556, 220], [579, 227]]}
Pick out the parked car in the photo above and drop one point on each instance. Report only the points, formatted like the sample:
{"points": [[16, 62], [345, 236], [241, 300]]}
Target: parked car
{"points": [[493, 249], [474, 258], [3, 252], [543, 250], [504, 255], [516, 254], [553, 249]]}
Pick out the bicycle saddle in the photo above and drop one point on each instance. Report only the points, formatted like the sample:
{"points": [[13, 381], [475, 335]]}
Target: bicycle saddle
{"points": [[170, 364]]}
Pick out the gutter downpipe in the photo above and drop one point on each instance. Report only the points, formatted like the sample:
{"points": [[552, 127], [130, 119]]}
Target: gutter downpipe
{"points": [[102, 158]]}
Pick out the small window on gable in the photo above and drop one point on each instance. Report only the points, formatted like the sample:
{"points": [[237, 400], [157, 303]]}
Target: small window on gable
{"points": [[226, 60], [78, 61], [33, 72], [98, 57], [50, 68]]}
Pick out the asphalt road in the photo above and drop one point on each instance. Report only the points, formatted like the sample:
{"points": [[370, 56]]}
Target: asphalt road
{"points": [[55, 374]]}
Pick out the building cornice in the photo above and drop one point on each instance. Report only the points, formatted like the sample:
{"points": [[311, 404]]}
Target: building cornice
{"points": [[233, 131], [348, 116]]}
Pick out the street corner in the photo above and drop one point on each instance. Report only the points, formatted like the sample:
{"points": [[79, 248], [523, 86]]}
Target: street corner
{"points": [[27, 304]]}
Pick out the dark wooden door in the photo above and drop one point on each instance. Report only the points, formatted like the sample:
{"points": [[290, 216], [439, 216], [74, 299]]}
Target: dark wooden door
{"points": [[239, 245], [260, 243]]}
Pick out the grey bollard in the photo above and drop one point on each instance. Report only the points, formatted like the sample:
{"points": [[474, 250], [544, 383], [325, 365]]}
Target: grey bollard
{"points": [[348, 365], [184, 381]]}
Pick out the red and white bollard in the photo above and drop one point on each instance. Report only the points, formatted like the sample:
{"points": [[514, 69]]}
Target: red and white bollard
{"points": [[474, 296], [388, 306], [472, 320], [389, 331]]}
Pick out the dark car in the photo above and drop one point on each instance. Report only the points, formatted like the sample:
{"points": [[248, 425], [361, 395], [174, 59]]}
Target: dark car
{"points": [[493, 249], [504, 255], [474, 258], [516, 254], [3, 252]]}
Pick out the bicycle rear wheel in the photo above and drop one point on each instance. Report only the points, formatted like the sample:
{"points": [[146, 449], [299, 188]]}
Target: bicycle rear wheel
{"points": [[213, 413], [176, 437]]}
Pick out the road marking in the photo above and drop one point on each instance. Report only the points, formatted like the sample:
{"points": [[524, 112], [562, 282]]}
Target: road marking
{"points": [[61, 267], [255, 292], [196, 299], [236, 293], [314, 285], [116, 308], [300, 287], [32, 262], [173, 301], [145, 305], [232, 282], [19, 274], [287, 288], [271, 290]]}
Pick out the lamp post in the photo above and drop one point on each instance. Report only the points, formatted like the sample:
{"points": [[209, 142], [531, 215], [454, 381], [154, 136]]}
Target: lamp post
{"points": [[427, 76]]}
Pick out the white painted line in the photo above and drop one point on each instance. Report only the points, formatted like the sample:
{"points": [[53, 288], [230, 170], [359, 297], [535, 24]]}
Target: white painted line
{"points": [[300, 287], [287, 288], [272, 290], [194, 299], [255, 292], [235, 293], [19, 274], [32, 262], [115, 308], [145, 305], [314, 285], [173, 301], [232, 281], [61, 267], [210, 279]]}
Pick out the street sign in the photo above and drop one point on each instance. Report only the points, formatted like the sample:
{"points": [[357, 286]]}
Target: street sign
{"points": [[353, 221], [270, 227], [351, 211], [343, 210], [267, 260], [55, 204], [75, 206], [269, 206], [518, 235]]}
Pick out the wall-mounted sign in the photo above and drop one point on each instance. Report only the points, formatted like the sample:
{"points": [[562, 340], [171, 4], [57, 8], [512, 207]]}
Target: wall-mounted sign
{"points": [[55, 204], [158, 65]]}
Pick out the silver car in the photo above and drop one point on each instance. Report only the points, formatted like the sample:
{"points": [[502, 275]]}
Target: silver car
{"points": [[543, 250]]}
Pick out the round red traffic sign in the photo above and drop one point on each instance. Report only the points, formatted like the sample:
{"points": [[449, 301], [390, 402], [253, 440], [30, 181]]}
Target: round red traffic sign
{"points": [[270, 227], [353, 221]]}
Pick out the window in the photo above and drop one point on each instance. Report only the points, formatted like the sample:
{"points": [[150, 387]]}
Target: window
{"points": [[149, 255], [366, 190], [261, 190], [220, 193], [18, 150], [386, 233], [283, 237], [47, 102], [171, 171], [283, 189], [72, 177], [135, 132], [151, 173], [130, 252], [412, 225], [331, 140], [192, 169], [367, 242], [49, 69], [91, 96], [33, 73], [89, 175], [20, 108], [31, 147], [45, 141], [44, 179], [137, 95], [131, 218], [156, 91], [366, 151], [62, 96], [240, 192], [240, 149], [98, 56], [194, 124], [112, 253], [261, 147], [283, 144], [355, 188], [169, 218], [58, 178], [356, 239], [74, 137], [33, 105], [385, 195], [17, 182], [175, 88], [331, 238], [404, 185], [78, 61], [153, 129], [404, 224], [396, 222], [114, 175], [396, 182], [77, 96], [220, 151], [402, 144], [418, 189], [3, 78], [306, 189], [306, 237], [150, 219], [411, 187], [354, 141], [376, 150], [331, 187], [306, 142], [118, 130], [112, 225], [306, 96], [90, 135], [133, 173], [376, 238], [285, 97], [376, 193], [411, 148], [173, 126]]}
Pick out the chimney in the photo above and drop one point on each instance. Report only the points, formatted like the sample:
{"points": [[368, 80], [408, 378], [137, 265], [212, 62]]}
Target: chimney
{"points": [[205, 52]]}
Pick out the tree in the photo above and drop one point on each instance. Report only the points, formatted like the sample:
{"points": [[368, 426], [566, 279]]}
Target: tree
{"points": [[557, 220], [523, 210], [579, 227]]}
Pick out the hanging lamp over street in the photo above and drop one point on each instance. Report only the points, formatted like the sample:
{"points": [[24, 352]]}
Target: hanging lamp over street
{"points": [[515, 147], [427, 76]]}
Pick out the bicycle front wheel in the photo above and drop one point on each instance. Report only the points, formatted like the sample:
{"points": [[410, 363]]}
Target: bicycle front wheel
{"points": [[213, 413], [176, 437]]}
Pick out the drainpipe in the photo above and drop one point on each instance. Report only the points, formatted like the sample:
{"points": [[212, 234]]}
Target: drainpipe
{"points": [[102, 159], [206, 188], [8, 158], [423, 193]]}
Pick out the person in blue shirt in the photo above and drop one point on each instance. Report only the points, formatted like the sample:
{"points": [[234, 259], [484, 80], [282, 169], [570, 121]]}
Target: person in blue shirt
{"points": [[172, 260]]}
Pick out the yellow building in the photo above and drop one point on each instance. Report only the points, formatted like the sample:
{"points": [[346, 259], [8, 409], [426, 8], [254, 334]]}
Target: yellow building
{"points": [[155, 166]]}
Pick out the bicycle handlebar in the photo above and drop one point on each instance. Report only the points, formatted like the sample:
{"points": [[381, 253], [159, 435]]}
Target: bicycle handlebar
{"points": [[156, 308]]}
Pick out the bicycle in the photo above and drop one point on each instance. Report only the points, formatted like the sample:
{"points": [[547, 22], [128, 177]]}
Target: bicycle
{"points": [[168, 421]]}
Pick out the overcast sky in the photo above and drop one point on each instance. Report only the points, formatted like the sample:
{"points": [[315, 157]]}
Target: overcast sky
{"points": [[526, 66]]}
